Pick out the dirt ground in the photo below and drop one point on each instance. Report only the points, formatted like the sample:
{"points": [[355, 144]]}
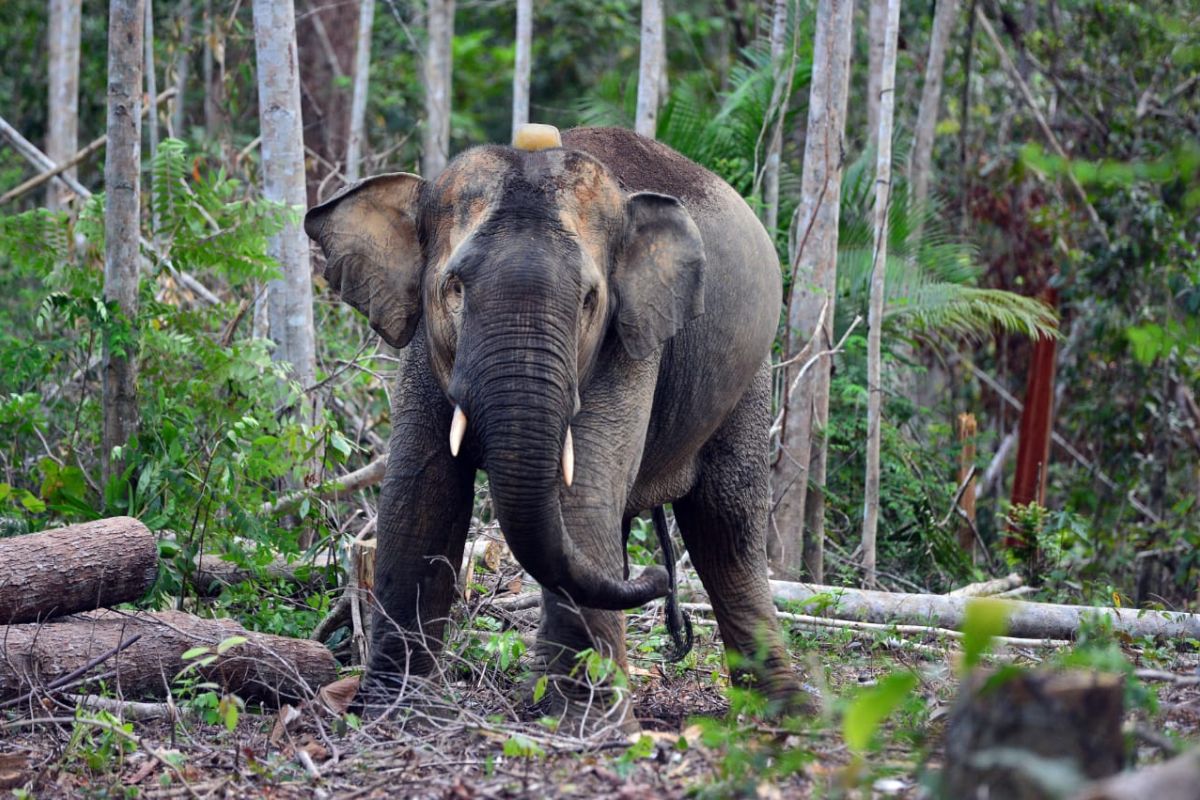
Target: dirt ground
{"points": [[475, 738]]}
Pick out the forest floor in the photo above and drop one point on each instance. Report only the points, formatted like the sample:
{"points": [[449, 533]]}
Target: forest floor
{"points": [[478, 738]]}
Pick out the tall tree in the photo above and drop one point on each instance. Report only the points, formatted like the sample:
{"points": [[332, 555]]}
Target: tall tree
{"points": [[122, 193], [778, 110], [945, 17], [358, 104], [289, 299], [438, 64], [876, 22], [183, 57], [883, 195], [151, 94], [523, 67], [798, 477], [650, 68], [63, 136]]}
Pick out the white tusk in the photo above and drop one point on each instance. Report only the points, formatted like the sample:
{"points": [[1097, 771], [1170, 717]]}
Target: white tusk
{"points": [[568, 460], [458, 428]]}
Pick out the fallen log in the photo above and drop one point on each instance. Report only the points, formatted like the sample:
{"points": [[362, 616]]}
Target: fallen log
{"points": [[1176, 779], [1026, 620], [76, 568], [989, 588], [214, 573], [271, 669], [1007, 738]]}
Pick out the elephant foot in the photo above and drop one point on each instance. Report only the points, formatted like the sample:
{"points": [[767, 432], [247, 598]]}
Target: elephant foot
{"points": [[786, 695], [584, 709]]}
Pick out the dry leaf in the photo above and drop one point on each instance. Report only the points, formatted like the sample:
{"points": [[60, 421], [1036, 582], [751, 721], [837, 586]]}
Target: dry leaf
{"points": [[315, 749], [337, 696], [493, 555], [514, 586], [12, 770]]}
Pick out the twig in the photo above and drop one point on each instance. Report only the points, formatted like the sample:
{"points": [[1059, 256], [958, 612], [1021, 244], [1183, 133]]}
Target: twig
{"points": [[369, 475], [59, 683], [116, 730]]}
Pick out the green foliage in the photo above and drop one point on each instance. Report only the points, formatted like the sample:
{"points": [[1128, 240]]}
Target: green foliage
{"points": [[931, 275], [868, 711], [984, 619]]}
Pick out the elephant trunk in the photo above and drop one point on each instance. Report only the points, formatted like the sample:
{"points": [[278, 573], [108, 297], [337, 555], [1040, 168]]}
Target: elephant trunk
{"points": [[520, 409]]}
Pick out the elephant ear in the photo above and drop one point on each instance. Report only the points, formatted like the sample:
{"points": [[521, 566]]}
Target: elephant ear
{"points": [[368, 232], [659, 276]]}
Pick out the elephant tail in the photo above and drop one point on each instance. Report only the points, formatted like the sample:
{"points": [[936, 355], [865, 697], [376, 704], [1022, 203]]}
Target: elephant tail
{"points": [[678, 623]]}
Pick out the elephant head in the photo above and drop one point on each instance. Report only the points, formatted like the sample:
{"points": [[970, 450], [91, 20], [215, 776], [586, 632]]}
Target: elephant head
{"points": [[522, 265]]}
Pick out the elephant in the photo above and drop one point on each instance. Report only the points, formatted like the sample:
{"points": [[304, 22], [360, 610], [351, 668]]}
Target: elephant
{"points": [[589, 323]]}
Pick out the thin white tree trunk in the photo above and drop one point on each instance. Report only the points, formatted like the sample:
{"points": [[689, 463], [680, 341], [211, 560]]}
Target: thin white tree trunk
{"points": [[883, 195], [779, 103], [945, 17], [122, 187], [151, 97], [358, 102], [523, 66], [438, 66], [876, 20], [650, 68], [183, 60], [290, 297], [62, 138], [813, 256], [208, 72]]}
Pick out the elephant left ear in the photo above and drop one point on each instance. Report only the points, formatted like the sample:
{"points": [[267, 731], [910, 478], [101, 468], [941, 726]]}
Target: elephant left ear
{"points": [[659, 276]]}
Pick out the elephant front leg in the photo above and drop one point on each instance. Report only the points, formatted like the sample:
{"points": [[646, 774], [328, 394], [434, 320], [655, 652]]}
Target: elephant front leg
{"points": [[424, 514], [582, 650]]}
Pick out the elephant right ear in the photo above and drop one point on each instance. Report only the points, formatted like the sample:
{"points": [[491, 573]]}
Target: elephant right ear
{"points": [[368, 232]]}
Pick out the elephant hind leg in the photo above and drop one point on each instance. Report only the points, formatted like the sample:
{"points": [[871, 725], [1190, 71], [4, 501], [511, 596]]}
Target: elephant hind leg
{"points": [[723, 520]]}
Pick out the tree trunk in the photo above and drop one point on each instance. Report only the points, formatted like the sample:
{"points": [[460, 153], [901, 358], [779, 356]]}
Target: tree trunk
{"points": [[779, 104], [945, 17], [183, 62], [62, 138], [272, 669], [152, 100], [1028, 620], [813, 256], [76, 568], [122, 184], [876, 22], [523, 66], [1001, 739], [289, 298], [650, 68], [883, 201], [438, 67], [358, 104]]}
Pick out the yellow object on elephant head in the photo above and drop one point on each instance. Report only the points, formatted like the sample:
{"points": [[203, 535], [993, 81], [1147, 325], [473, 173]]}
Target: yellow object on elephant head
{"points": [[532, 136]]}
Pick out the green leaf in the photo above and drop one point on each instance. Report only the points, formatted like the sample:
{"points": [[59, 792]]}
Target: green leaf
{"points": [[232, 641], [872, 707], [539, 689], [195, 652], [985, 618]]}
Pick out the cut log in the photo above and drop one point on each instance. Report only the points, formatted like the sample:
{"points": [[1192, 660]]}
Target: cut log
{"points": [[76, 568], [1176, 779], [1028, 620], [214, 573], [1023, 736], [271, 669]]}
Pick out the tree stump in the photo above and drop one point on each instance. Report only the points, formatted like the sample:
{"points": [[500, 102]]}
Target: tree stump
{"points": [[1011, 736], [271, 669], [76, 568]]}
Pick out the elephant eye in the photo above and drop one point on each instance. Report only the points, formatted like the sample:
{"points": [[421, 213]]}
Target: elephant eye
{"points": [[453, 292], [589, 300]]}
